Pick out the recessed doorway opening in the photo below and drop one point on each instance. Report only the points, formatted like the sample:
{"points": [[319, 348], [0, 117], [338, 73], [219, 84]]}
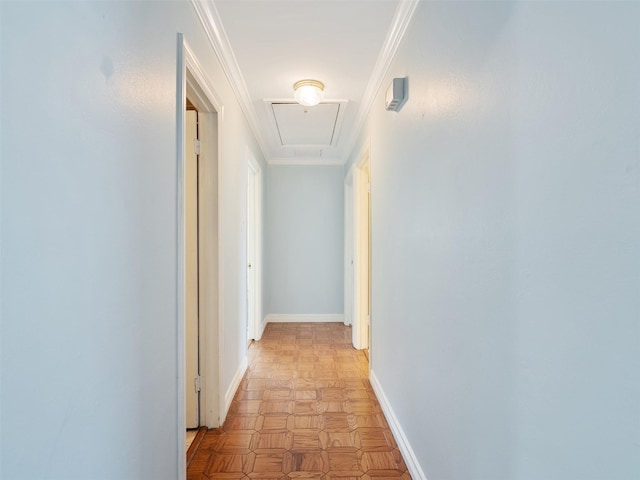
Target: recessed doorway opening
{"points": [[357, 268], [255, 323], [199, 291]]}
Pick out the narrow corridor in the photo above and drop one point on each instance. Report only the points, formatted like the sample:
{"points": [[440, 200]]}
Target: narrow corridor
{"points": [[305, 409]]}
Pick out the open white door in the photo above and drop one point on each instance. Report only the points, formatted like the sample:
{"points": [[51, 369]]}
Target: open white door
{"points": [[254, 242], [349, 232], [357, 251], [192, 382], [251, 253]]}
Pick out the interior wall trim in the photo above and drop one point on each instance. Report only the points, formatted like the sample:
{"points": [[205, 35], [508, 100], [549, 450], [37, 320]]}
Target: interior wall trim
{"points": [[399, 24], [304, 318], [212, 23], [233, 388], [263, 325], [398, 432]]}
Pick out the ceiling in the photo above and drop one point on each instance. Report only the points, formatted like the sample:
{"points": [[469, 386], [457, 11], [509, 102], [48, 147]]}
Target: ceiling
{"points": [[265, 46]]}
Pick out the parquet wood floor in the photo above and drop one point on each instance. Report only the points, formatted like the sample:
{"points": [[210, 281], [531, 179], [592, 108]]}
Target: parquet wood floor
{"points": [[304, 410]]}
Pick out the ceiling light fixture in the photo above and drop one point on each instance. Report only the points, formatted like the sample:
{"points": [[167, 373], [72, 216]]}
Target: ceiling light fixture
{"points": [[308, 92]]}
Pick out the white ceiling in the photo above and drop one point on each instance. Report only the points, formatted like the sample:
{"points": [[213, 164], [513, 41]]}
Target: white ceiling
{"points": [[266, 46]]}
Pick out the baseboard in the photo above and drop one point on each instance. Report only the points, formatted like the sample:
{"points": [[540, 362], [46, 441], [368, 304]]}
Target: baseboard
{"points": [[233, 388], [304, 318], [263, 324], [398, 432]]}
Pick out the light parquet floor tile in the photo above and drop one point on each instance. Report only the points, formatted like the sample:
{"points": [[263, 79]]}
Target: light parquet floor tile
{"points": [[304, 410]]}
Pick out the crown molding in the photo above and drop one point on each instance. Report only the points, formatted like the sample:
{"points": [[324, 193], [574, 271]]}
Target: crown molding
{"points": [[212, 23], [399, 24]]}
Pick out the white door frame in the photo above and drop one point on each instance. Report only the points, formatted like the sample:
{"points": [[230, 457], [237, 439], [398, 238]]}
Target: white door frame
{"points": [[254, 174], [357, 248], [193, 82]]}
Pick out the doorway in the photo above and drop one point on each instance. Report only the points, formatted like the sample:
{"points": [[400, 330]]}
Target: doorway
{"points": [[255, 324], [357, 268], [199, 290]]}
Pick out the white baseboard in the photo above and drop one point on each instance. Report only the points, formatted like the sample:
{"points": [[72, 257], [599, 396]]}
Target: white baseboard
{"points": [[398, 432], [304, 318], [263, 324], [233, 388]]}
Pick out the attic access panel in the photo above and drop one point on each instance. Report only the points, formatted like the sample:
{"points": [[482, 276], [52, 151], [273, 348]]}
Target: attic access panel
{"points": [[300, 125]]}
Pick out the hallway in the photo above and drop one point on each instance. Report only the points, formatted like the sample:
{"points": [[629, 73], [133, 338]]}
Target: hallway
{"points": [[304, 409]]}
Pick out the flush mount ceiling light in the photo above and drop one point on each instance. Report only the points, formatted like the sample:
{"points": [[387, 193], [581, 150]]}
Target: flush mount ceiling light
{"points": [[308, 92]]}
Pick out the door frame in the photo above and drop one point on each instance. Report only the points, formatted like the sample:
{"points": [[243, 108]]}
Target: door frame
{"points": [[357, 255], [255, 330], [193, 82]]}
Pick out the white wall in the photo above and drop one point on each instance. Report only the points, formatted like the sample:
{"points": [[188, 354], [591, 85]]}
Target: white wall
{"points": [[88, 245], [506, 226], [304, 240]]}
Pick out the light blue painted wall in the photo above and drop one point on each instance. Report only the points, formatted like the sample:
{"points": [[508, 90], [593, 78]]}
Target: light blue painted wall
{"points": [[304, 240], [506, 234], [88, 237]]}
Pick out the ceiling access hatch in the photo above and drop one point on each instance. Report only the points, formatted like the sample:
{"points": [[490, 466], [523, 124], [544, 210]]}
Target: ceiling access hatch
{"points": [[299, 125]]}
